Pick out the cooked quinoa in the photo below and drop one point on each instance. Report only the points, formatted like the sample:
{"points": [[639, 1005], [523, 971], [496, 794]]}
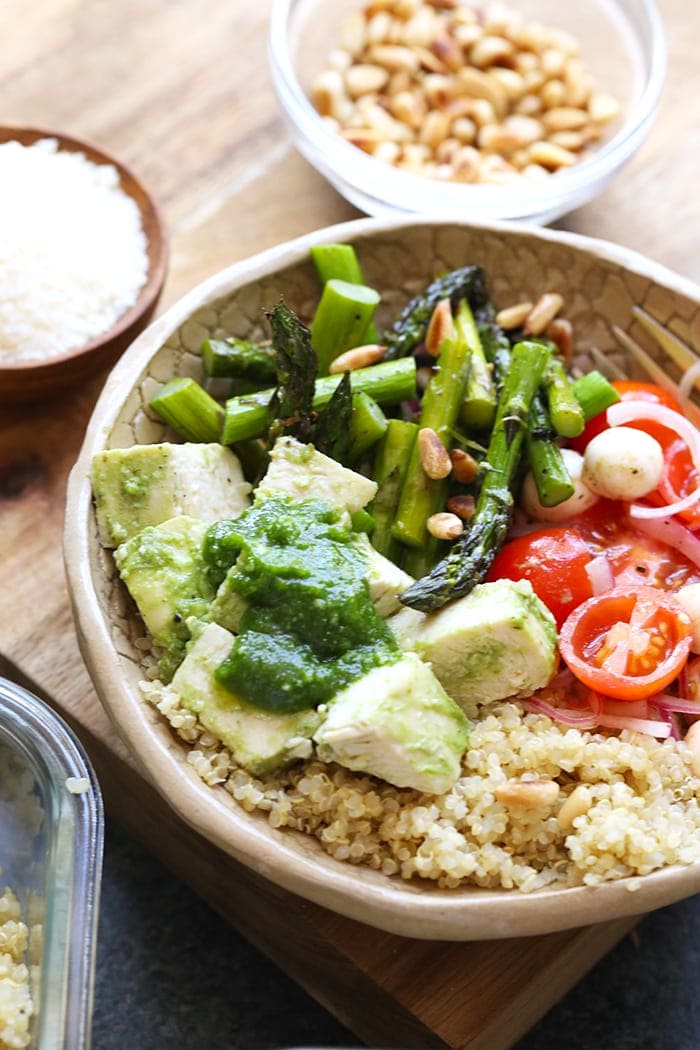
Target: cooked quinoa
{"points": [[20, 935], [15, 989], [640, 809]]}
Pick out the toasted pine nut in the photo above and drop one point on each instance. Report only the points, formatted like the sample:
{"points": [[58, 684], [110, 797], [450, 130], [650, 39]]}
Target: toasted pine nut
{"points": [[526, 129], [603, 107], [553, 62], [513, 316], [340, 60], [448, 51], [498, 138], [510, 80], [571, 140], [578, 802], [692, 739], [545, 310], [565, 118], [393, 57], [420, 30], [464, 129], [409, 107], [379, 27], [434, 457], [444, 526], [440, 327], [367, 139], [528, 794], [435, 128], [550, 156], [464, 467], [358, 357], [365, 79], [462, 506], [476, 84], [529, 105], [577, 83], [553, 94], [353, 32], [447, 150], [489, 50], [561, 332], [467, 165], [328, 94], [388, 152], [468, 34]]}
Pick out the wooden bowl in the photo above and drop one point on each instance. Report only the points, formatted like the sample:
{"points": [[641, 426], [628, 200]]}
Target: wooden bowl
{"points": [[24, 381], [601, 284]]}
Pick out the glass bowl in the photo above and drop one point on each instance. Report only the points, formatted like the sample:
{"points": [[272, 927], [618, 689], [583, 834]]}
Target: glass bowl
{"points": [[622, 43], [51, 833]]}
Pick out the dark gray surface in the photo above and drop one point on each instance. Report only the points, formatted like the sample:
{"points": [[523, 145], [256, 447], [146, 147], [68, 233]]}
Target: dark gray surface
{"points": [[172, 975]]}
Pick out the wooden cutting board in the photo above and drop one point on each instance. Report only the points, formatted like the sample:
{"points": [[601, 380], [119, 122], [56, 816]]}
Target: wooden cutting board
{"points": [[186, 101]]}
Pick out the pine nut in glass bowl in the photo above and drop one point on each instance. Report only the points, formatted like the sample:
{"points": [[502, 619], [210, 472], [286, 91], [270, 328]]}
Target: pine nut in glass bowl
{"points": [[83, 261], [51, 832], [495, 855], [510, 137]]}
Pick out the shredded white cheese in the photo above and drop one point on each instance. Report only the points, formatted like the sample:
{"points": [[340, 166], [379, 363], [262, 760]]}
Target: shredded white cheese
{"points": [[72, 250], [78, 785]]}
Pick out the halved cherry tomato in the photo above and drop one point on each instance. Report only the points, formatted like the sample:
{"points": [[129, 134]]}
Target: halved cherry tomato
{"points": [[628, 391], [554, 561], [627, 644]]}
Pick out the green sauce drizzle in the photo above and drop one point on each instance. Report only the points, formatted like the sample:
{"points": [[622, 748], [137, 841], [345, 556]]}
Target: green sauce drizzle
{"points": [[310, 627]]}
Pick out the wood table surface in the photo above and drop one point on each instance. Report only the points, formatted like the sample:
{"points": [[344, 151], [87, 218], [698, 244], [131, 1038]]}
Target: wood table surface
{"points": [[180, 90]]}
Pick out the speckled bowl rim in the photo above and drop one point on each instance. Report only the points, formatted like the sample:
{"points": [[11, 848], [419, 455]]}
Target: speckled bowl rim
{"points": [[409, 909]]}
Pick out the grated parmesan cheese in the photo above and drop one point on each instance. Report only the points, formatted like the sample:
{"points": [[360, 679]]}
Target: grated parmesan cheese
{"points": [[72, 250]]}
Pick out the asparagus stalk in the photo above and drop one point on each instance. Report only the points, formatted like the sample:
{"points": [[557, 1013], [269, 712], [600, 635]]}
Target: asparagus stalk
{"points": [[239, 359], [421, 495], [564, 410], [296, 368], [470, 557], [192, 413], [336, 262], [388, 383], [410, 327], [478, 407], [390, 466], [494, 341], [339, 262], [594, 394], [367, 425], [544, 456], [331, 434], [341, 320]]}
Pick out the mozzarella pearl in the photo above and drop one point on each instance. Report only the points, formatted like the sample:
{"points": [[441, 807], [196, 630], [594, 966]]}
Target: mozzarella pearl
{"points": [[581, 500], [623, 463], [689, 597]]}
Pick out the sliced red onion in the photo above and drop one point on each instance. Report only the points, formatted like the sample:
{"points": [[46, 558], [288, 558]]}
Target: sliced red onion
{"points": [[565, 715], [599, 572], [631, 411], [688, 381], [651, 727], [666, 702], [671, 532]]}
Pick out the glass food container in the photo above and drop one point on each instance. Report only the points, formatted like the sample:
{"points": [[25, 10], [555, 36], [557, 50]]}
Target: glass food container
{"points": [[51, 835]]}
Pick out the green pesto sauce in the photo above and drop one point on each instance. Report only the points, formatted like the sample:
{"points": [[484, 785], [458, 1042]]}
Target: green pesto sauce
{"points": [[310, 627]]}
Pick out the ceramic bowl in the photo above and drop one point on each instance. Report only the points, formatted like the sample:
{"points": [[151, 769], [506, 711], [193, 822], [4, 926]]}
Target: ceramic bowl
{"points": [[601, 284], [631, 65], [24, 381]]}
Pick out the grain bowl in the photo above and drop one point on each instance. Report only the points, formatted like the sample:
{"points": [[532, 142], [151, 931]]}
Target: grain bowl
{"points": [[315, 830]]}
